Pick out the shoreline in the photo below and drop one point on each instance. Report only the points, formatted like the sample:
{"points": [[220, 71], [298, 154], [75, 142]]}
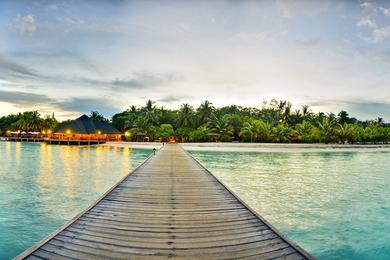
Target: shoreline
{"points": [[255, 147], [135, 145]]}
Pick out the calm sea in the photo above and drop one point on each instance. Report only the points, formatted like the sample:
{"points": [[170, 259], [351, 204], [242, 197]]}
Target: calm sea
{"points": [[43, 186], [334, 204]]}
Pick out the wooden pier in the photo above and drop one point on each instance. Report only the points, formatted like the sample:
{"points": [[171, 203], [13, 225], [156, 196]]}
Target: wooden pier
{"points": [[54, 141], [168, 207]]}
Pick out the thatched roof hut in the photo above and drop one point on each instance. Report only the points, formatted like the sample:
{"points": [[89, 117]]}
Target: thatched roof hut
{"points": [[86, 126]]}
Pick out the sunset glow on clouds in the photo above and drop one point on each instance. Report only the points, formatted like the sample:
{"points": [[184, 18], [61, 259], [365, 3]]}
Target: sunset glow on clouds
{"points": [[70, 57]]}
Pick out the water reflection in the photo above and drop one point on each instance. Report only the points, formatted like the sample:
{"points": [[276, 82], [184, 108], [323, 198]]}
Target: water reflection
{"points": [[17, 153], [334, 204], [126, 162], [42, 186], [45, 174]]}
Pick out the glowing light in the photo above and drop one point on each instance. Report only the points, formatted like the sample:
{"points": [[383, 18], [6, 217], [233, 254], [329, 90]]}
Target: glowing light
{"points": [[127, 133], [99, 132], [43, 132], [68, 132], [49, 131]]}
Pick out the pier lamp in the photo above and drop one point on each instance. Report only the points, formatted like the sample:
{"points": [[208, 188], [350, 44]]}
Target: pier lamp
{"points": [[127, 135], [99, 132], [68, 132], [49, 131], [43, 132]]}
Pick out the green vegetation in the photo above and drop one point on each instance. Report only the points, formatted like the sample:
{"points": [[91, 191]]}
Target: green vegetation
{"points": [[30, 121], [273, 122]]}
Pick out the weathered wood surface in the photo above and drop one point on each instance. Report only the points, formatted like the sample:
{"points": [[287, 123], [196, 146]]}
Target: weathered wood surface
{"points": [[169, 207]]}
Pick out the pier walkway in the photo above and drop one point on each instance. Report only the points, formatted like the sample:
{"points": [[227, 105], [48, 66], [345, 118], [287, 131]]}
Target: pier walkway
{"points": [[169, 207]]}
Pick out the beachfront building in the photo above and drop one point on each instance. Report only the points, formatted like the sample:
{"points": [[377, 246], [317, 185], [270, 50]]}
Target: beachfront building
{"points": [[85, 128]]}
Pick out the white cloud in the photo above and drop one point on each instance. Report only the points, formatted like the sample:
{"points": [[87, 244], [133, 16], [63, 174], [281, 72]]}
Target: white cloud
{"points": [[26, 24], [366, 5], [380, 34], [380, 29], [385, 11], [366, 22]]}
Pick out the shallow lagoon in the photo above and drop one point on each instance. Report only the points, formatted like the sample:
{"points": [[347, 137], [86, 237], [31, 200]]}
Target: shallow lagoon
{"points": [[335, 204], [43, 186]]}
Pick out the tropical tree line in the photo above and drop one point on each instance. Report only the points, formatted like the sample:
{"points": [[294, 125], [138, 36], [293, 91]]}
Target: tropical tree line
{"points": [[274, 121], [30, 121]]}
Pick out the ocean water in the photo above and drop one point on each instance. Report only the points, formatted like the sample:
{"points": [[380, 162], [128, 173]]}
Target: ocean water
{"points": [[44, 186], [334, 204]]}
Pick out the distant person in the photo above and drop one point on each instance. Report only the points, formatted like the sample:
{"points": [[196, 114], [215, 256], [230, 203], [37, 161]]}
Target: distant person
{"points": [[154, 151]]}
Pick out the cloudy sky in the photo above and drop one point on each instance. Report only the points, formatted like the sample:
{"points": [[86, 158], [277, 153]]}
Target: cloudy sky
{"points": [[70, 57]]}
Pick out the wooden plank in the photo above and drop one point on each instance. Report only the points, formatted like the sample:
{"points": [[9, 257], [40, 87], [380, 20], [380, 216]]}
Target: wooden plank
{"points": [[146, 237], [43, 254], [169, 207], [171, 234], [163, 243]]}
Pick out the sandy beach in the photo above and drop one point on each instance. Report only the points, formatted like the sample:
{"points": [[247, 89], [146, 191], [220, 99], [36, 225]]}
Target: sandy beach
{"points": [[135, 145], [254, 147]]}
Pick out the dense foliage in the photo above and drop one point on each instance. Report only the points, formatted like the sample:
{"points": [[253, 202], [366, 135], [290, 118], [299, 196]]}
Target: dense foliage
{"points": [[273, 122], [30, 121]]}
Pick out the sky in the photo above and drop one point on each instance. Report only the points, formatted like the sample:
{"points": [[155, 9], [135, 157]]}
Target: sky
{"points": [[71, 57]]}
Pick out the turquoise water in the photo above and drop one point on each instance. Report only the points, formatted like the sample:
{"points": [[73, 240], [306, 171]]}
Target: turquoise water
{"points": [[43, 186], [336, 205]]}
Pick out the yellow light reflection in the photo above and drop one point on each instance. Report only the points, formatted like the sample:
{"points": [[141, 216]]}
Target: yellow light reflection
{"points": [[126, 159], [99, 158], [18, 146], [46, 174]]}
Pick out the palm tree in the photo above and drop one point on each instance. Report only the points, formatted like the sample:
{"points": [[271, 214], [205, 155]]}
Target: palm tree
{"points": [[306, 112], [264, 131], [326, 130], [304, 131], [185, 117], [343, 117], [281, 133], [29, 121], [150, 113], [249, 129], [133, 109], [236, 121], [345, 132], [49, 122], [95, 115], [286, 112], [142, 126], [131, 117], [220, 125], [205, 110]]}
